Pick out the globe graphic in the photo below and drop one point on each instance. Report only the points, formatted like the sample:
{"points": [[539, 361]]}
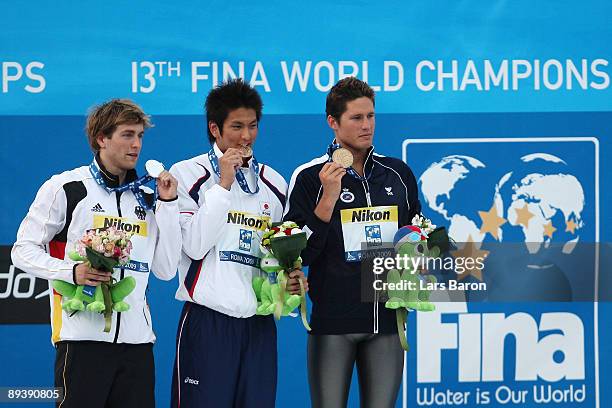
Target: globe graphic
{"points": [[541, 198], [542, 203], [452, 187]]}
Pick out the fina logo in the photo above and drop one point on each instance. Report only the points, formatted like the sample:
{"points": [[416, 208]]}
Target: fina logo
{"points": [[542, 201], [479, 340], [246, 237], [373, 235]]}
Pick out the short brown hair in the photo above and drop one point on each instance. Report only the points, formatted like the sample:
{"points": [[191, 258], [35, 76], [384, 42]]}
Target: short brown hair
{"points": [[104, 119], [346, 90]]}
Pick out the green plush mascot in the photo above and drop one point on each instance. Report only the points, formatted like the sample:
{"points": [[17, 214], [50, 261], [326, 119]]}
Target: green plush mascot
{"points": [[102, 299], [270, 290], [408, 289], [418, 298]]}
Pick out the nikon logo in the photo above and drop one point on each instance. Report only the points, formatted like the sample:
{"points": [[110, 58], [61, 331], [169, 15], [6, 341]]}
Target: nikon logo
{"points": [[122, 224], [248, 220], [369, 214]]}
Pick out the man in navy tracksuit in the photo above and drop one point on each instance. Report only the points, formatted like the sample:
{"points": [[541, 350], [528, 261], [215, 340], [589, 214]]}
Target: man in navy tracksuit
{"points": [[342, 208]]}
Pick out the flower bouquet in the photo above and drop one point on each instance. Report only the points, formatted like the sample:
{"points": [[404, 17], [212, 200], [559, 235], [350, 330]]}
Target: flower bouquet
{"points": [[281, 244], [437, 237], [102, 249]]}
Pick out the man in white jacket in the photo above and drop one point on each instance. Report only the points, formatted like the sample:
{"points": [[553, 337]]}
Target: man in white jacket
{"points": [[226, 355], [97, 368]]}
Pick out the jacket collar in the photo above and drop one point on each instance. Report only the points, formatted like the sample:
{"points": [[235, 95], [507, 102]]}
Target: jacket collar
{"points": [[111, 180], [369, 162]]}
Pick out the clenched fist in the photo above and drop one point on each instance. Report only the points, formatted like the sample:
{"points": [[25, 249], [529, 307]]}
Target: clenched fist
{"points": [[228, 163], [166, 186]]}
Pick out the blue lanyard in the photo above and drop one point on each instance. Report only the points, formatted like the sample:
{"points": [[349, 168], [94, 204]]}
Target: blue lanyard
{"points": [[335, 146], [242, 182], [134, 186]]}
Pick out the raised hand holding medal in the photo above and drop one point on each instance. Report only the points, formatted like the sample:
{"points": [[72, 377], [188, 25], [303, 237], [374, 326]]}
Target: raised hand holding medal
{"points": [[166, 183], [331, 175], [227, 167], [155, 171], [229, 163]]}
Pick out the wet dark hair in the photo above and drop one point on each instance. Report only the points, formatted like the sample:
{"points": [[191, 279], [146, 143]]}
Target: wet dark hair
{"points": [[346, 90], [229, 96]]}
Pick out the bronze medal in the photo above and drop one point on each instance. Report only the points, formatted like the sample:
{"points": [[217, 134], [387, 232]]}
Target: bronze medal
{"points": [[343, 157], [246, 151]]}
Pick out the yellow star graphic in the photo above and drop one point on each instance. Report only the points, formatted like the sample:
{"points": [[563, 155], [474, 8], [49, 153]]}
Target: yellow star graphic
{"points": [[523, 215], [549, 229], [570, 226], [491, 222], [469, 251]]}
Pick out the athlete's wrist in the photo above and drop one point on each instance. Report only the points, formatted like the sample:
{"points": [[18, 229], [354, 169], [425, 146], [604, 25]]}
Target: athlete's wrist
{"points": [[225, 184], [324, 210], [328, 200]]}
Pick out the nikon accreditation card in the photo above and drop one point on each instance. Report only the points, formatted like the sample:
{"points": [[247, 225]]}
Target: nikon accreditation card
{"points": [[243, 236], [370, 225]]}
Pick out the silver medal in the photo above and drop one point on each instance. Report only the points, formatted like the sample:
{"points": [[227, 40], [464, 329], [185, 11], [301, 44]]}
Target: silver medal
{"points": [[154, 168]]}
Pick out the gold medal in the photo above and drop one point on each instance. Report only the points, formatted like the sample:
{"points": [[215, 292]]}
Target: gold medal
{"points": [[246, 151], [343, 157]]}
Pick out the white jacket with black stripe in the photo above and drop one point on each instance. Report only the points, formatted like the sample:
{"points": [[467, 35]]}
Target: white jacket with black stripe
{"points": [[65, 207], [222, 232]]}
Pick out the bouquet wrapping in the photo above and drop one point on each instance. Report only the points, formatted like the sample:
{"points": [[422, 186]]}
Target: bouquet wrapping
{"points": [[282, 244], [102, 249]]}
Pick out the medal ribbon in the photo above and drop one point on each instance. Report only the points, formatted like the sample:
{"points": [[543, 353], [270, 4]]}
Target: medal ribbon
{"points": [[335, 146], [242, 182], [134, 186]]}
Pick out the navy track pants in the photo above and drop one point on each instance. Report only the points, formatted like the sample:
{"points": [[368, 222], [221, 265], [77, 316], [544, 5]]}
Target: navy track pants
{"points": [[223, 361]]}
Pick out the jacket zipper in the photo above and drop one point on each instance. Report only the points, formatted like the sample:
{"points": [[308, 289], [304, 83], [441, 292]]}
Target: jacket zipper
{"points": [[366, 188], [118, 196], [144, 313]]}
